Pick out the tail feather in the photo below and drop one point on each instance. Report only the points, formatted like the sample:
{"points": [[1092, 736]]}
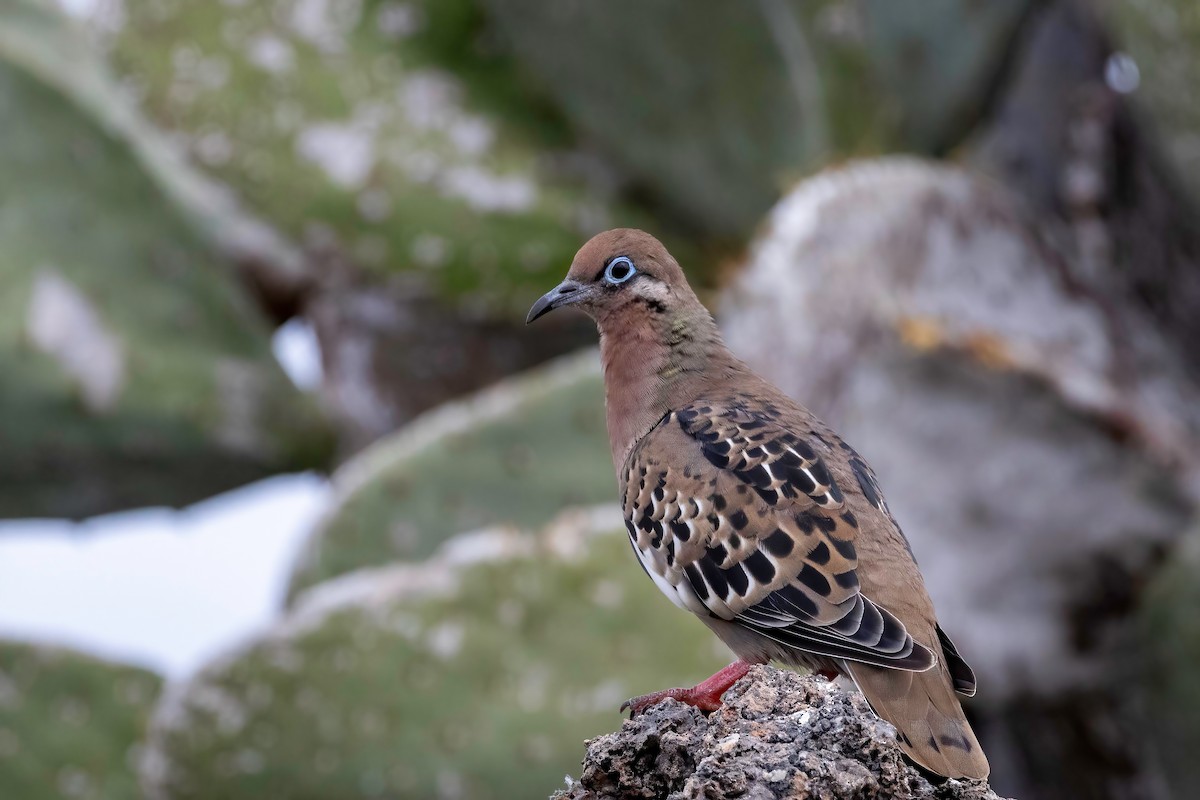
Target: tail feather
{"points": [[933, 731]]}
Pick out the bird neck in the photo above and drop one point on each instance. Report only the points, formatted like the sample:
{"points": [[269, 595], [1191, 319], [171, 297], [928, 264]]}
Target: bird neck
{"points": [[654, 362]]}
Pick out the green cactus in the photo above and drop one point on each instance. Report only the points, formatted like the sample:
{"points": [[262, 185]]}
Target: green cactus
{"points": [[70, 724], [391, 133], [476, 674], [137, 370], [514, 454], [715, 106]]}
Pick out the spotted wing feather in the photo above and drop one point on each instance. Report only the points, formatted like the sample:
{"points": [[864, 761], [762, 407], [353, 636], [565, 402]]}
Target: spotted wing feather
{"points": [[737, 517]]}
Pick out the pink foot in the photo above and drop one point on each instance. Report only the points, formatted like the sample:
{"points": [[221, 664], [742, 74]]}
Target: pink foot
{"points": [[705, 696]]}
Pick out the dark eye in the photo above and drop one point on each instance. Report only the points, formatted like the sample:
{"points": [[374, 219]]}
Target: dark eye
{"points": [[619, 270]]}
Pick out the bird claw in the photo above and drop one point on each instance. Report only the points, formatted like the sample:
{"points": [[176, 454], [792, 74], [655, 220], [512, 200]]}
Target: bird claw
{"points": [[636, 705], [705, 696], [703, 700]]}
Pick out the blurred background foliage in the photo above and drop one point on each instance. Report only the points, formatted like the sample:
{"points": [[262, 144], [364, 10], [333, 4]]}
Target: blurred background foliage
{"points": [[1012, 310]]}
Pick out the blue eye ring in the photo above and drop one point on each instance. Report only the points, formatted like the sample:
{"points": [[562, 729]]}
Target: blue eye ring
{"points": [[619, 270]]}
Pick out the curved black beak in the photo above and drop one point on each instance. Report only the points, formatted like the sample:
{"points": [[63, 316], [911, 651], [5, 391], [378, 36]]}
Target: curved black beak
{"points": [[564, 294]]}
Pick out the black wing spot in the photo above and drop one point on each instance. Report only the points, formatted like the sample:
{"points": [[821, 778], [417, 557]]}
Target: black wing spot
{"points": [[718, 461], [803, 450], [760, 567], [845, 548], [960, 671], [950, 741], [780, 544], [808, 521], [737, 579], [739, 520], [847, 580], [850, 519], [819, 471], [715, 577], [819, 554], [814, 580], [718, 553], [769, 496], [681, 531], [865, 482], [757, 477], [802, 480], [790, 599], [697, 582]]}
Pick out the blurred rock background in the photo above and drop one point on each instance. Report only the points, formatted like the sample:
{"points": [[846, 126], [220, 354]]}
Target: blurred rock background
{"points": [[969, 230]]}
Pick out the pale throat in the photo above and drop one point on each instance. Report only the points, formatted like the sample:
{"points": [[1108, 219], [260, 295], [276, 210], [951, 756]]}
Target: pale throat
{"points": [[652, 365]]}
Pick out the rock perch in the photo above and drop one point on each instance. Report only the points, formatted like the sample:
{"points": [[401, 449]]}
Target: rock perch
{"points": [[778, 735]]}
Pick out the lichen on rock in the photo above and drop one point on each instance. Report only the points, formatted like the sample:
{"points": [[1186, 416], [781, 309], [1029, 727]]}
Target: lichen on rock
{"points": [[779, 735]]}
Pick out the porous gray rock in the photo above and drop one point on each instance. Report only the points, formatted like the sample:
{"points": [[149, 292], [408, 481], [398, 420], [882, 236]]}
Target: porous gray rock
{"points": [[778, 735]]}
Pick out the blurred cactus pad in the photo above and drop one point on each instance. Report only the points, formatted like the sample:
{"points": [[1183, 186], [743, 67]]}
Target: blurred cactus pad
{"points": [[393, 134], [70, 724], [135, 369], [716, 107], [478, 674], [517, 454]]}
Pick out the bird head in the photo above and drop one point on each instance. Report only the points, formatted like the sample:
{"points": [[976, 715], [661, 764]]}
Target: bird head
{"points": [[619, 273]]}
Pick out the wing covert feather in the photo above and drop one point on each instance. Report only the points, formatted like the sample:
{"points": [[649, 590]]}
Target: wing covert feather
{"points": [[737, 516]]}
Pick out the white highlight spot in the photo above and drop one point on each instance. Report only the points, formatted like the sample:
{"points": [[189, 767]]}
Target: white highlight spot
{"points": [[399, 20], [1121, 73], [271, 54], [63, 324], [487, 191], [344, 151], [298, 351]]}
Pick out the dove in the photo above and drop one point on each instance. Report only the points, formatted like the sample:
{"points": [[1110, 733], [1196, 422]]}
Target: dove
{"points": [[751, 513]]}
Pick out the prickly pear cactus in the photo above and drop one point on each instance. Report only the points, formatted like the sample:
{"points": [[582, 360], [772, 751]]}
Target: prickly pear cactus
{"points": [[70, 724], [514, 454], [478, 674]]}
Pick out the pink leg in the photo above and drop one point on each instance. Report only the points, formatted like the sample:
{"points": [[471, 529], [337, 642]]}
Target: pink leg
{"points": [[705, 696]]}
